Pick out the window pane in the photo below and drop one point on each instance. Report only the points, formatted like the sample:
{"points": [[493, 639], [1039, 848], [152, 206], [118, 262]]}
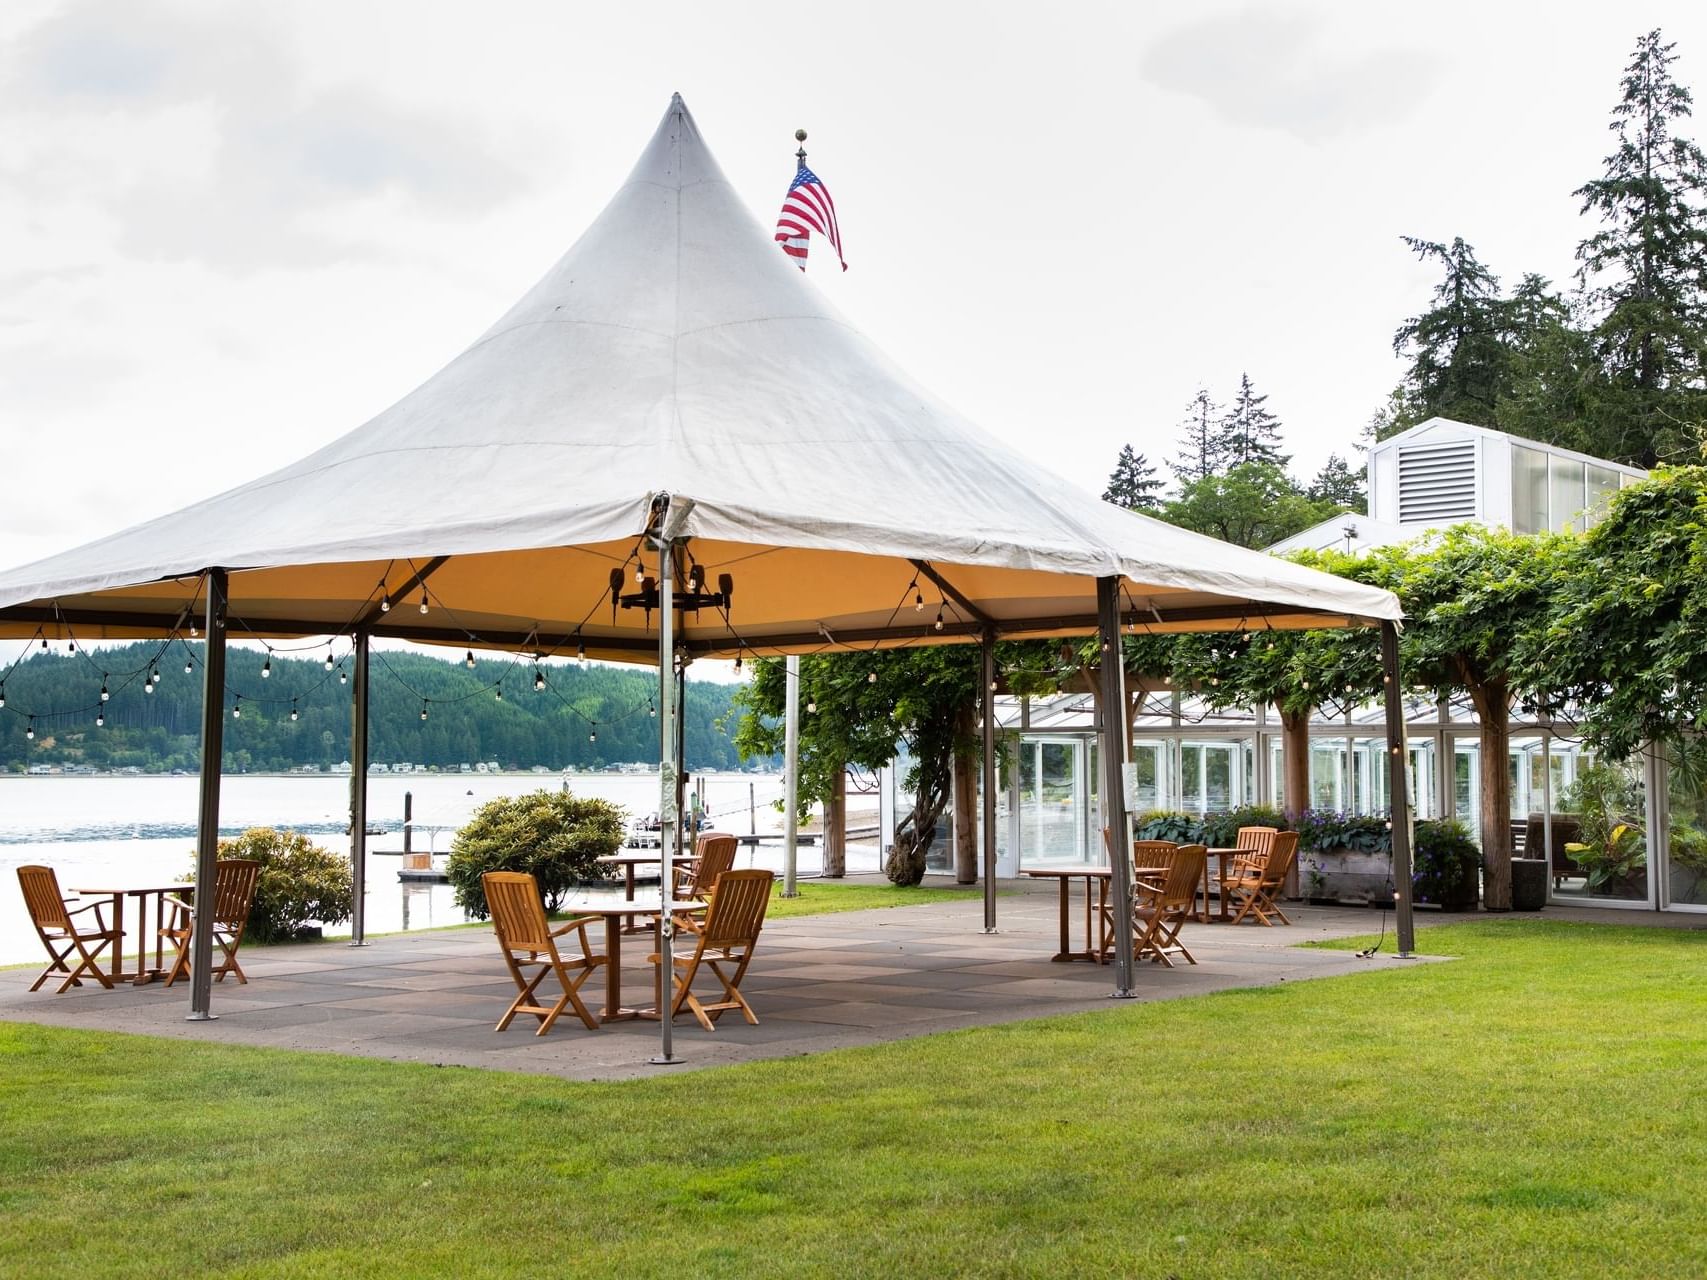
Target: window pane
{"points": [[1602, 484], [1528, 490], [1566, 494]]}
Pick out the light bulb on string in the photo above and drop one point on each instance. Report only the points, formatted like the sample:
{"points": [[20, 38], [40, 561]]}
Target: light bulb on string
{"points": [[104, 694], [385, 604], [469, 660], [328, 655], [423, 708], [237, 708], [938, 624], [651, 710], [267, 668], [593, 736], [71, 646], [30, 732], [147, 685], [100, 719], [343, 676], [500, 693], [639, 572], [580, 651], [812, 708], [293, 708], [188, 666], [423, 602], [156, 675], [871, 677], [538, 679], [737, 664], [918, 602], [44, 644]]}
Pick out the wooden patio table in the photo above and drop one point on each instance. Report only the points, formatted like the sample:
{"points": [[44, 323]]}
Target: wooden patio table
{"points": [[1096, 886], [1225, 859], [614, 913], [144, 971], [629, 861]]}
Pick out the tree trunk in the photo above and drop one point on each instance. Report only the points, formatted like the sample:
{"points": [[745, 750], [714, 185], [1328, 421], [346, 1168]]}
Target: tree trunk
{"points": [[1493, 708], [836, 829], [1294, 763], [965, 820], [905, 864]]}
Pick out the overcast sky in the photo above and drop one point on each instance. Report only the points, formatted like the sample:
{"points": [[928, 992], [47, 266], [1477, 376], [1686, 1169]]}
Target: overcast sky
{"points": [[231, 232]]}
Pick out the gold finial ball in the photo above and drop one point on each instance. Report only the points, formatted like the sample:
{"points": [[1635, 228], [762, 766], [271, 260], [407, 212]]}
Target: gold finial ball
{"points": [[800, 135]]}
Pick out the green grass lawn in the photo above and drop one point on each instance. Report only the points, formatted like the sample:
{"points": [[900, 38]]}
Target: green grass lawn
{"points": [[819, 897], [1534, 1108]]}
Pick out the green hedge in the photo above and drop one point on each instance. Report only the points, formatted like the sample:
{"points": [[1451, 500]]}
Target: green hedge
{"points": [[556, 836]]}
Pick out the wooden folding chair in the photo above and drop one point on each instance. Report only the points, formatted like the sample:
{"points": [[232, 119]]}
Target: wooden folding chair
{"points": [[1256, 894], [714, 854], [1159, 911], [528, 941], [234, 881], [63, 935], [1252, 844], [725, 946], [1157, 854]]}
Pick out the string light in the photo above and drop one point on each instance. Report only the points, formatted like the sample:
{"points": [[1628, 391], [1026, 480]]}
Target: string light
{"points": [[423, 600], [187, 665], [385, 604], [104, 694], [500, 692], [267, 668], [812, 708], [871, 677], [237, 708], [293, 708], [939, 618], [423, 708], [2, 693], [147, 685], [100, 719], [538, 678], [156, 675], [30, 733], [343, 676], [328, 655], [918, 600], [593, 736], [44, 644], [650, 709], [580, 650], [737, 664], [469, 660]]}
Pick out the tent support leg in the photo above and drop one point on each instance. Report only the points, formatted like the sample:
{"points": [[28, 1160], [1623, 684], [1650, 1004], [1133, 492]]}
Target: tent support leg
{"points": [[207, 818], [1400, 810], [1112, 743], [669, 790], [358, 790], [987, 701]]}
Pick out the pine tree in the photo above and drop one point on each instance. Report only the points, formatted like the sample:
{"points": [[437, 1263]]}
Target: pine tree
{"points": [[1337, 483], [1133, 483], [1248, 431], [1458, 356], [1200, 453], [1645, 271]]}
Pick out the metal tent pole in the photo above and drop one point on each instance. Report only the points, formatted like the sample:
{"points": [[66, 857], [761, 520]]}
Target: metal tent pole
{"points": [[668, 783], [1113, 788], [207, 819], [358, 791], [1400, 813], [987, 698], [791, 776]]}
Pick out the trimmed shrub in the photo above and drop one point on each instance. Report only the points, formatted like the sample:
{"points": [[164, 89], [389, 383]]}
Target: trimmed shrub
{"points": [[554, 835], [299, 882]]}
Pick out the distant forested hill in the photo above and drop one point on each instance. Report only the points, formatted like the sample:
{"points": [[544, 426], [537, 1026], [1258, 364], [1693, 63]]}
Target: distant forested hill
{"points": [[587, 716]]}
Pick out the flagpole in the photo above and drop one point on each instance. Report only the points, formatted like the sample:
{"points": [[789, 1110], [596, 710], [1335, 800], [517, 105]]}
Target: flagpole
{"points": [[800, 155]]}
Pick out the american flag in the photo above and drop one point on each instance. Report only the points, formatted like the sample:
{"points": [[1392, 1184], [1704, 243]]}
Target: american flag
{"points": [[807, 208]]}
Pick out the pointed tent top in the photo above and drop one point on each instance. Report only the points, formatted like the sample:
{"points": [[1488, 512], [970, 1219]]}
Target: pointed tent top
{"points": [[673, 349]]}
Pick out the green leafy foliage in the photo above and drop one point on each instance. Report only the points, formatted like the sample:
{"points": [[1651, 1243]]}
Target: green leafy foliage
{"points": [[1251, 504], [300, 883], [1444, 860], [1612, 849], [555, 836], [1133, 483]]}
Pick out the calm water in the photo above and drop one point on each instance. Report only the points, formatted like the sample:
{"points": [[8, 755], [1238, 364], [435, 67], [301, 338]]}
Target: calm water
{"points": [[121, 831]]}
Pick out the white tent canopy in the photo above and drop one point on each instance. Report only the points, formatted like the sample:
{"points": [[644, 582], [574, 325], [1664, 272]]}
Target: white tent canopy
{"points": [[673, 350]]}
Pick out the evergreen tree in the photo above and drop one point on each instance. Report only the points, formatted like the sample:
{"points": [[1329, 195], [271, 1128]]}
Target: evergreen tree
{"points": [[1200, 454], [1459, 362], [1248, 431], [1338, 484], [1645, 271], [1133, 483]]}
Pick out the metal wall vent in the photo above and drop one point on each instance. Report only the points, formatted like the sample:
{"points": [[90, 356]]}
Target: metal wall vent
{"points": [[1437, 482]]}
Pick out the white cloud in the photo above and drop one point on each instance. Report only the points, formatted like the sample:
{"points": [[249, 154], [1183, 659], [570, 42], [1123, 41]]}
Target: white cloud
{"points": [[1270, 70]]}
